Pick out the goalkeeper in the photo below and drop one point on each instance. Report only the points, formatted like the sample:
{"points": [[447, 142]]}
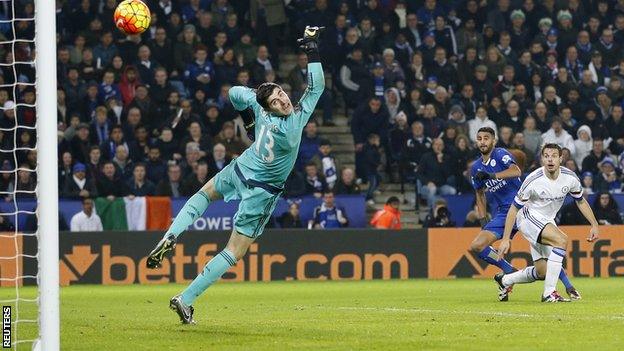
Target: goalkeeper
{"points": [[256, 177]]}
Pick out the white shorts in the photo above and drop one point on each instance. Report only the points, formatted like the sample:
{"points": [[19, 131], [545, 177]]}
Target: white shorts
{"points": [[531, 227]]}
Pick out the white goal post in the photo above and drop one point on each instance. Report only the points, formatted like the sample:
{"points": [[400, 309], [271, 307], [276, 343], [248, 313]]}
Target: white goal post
{"points": [[47, 187]]}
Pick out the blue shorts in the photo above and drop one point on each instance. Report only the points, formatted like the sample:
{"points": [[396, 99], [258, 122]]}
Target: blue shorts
{"points": [[497, 225], [256, 205]]}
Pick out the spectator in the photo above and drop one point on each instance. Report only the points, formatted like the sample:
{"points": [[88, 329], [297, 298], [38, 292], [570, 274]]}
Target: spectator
{"points": [[115, 139], [314, 183], [110, 185], [372, 154], [128, 84], [557, 135], [436, 173], [368, 119], [327, 163], [290, 218], [195, 180], [170, 185], [328, 215], [481, 120], [608, 179], [587, 181], [590, 163], [389, 217], [218, 161], [86, 220], [167, 146], [80, 143], [139, 185], [26, 183], [233, 145], [606, 209], [434, 125], [457, 120], [78, 186], [347, 184], [155, 167], [615, 127], [310, 143], [440, 216], [505, 137], [354, 78], [583, 143], [520, 145], [123, 163]]}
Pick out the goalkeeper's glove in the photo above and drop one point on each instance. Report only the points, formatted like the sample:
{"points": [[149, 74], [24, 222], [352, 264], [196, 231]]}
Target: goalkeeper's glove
{"points": [[482, 175], [249, 121], [310, 41]]}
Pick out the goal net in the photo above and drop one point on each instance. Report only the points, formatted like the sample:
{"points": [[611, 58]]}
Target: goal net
{"points": [[28, 176]]}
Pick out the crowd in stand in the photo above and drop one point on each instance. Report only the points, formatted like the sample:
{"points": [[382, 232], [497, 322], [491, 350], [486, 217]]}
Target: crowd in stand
{"points": [[150, 115]]}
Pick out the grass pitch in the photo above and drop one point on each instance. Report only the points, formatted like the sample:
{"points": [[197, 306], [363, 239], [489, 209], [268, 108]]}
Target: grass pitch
{"points": [[370, 315]]}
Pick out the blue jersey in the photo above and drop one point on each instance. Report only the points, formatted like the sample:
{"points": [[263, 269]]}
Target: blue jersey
{"points": [[502, 191]]}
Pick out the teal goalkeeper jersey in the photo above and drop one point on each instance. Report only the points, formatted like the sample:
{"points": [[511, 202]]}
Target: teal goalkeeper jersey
{"points": [[272, 155]]}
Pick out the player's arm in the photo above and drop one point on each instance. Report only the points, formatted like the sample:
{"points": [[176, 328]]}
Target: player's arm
{"points": [[512, 170], [315, 79], [519, 200], [505, 243], [481, 206], [583, 205], [241, 97]]}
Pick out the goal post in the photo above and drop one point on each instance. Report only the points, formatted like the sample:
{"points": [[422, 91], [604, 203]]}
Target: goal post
{"points": [[47, 187]]}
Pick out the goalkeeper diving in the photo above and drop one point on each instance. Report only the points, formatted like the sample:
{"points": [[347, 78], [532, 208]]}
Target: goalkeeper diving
{"points": [[256, 178]]}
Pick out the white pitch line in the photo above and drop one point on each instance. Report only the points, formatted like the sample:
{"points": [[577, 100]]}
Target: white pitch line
{"points": [[481, 313]]}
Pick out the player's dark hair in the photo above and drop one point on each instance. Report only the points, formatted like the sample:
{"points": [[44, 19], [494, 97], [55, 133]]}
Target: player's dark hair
{"points": [[487, 130], [263, 92], [552, 146]]}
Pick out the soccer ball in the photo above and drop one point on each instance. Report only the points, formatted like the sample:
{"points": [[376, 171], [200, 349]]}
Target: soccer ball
{"points": [[132, 16]]}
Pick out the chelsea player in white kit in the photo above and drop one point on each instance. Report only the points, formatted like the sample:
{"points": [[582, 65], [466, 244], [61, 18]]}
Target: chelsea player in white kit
{"points": [[535, 206], [496, 173], [256, 177]]}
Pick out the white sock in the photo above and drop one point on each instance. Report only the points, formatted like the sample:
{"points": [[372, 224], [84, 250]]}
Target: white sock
{"points": [[526, 275], [553, 268]]}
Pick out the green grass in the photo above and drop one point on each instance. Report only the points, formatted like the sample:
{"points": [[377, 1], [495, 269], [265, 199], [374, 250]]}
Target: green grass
{"points": [[371, 315]]}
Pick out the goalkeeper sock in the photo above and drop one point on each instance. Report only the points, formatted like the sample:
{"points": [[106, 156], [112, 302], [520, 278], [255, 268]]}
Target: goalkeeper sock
{"points": [[553, 268], [526, 275], [193, 208], [490, 256], [215, 268], [564, 279]]}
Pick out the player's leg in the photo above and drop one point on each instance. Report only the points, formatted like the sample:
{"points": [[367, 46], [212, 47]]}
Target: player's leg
{"points": [[182, 303], [570, 289], [236, 248], [253, 213], [529, 274], [551, 235], [194, 207], [481, 245]]}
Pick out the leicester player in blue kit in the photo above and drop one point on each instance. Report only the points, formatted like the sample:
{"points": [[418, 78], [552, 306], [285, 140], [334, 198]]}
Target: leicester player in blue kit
{"points": [[496, 172], [256, 177]]}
